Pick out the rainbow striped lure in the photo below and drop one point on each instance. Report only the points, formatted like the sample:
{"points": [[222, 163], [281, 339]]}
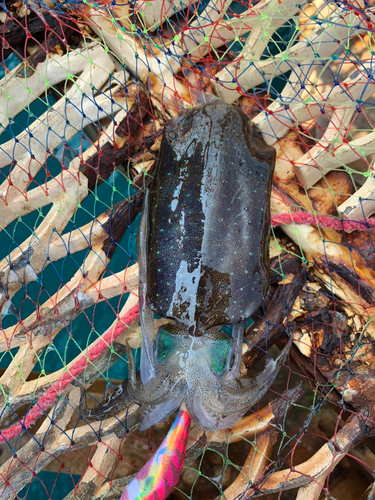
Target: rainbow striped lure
{"points": [[158, 477]]}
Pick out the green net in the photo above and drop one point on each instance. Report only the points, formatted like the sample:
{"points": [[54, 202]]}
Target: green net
{"points": [[85, 91]]}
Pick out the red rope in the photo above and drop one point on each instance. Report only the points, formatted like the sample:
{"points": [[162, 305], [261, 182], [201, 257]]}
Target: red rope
{"points": [[323, 221], [59, 386]]}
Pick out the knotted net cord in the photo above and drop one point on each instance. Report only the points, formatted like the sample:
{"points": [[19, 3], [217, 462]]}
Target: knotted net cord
{"points": [[86, 89]]}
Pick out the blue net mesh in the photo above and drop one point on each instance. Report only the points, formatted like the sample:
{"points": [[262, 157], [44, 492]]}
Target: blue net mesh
{"points": [[85, 91]]}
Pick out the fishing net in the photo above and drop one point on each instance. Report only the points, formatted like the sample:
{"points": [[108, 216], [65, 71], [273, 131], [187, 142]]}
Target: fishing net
{"points": [[85, 92]]}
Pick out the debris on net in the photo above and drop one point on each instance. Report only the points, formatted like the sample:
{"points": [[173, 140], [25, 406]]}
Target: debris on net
{"points": [[85, 93]]}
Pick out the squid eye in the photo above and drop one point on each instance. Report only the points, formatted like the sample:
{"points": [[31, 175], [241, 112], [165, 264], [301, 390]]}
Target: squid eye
{"points": [[167, 344], [220, 350]]}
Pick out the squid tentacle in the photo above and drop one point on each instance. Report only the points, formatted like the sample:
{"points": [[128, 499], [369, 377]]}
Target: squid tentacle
{"points": [[234, 371], [153, 415], [153, 393], [116, 401], [214, 401], [233, 396], [253, 389], [148, 365]]}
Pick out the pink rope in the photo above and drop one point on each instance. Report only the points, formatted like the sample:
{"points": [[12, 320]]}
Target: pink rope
{"points": [[59, 386], [323, 221]]}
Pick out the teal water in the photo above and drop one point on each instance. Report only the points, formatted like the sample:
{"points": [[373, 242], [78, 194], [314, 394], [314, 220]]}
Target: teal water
{"points": [[49, 485], [102, 315], [77, 335]]}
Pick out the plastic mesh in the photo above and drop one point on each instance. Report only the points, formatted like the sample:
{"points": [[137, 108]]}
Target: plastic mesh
{"points": [[85, 92]]}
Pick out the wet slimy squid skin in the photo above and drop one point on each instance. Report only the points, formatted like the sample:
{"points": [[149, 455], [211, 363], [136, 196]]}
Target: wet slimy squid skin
{"points": [[203, 263], [208, 222]]}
